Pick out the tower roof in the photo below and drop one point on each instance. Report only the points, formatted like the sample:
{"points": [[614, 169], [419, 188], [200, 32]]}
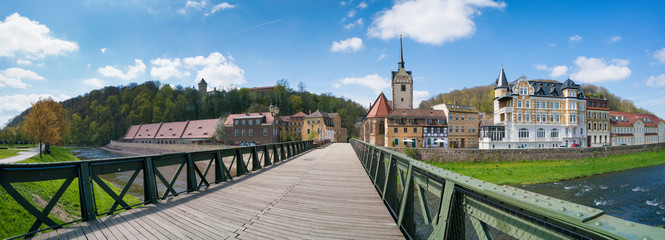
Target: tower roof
{"points": [[202, 81], [501, 81], [400, 64]]}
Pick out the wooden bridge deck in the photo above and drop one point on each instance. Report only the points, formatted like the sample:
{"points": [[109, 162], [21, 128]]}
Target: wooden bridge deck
{"points": [[321, 194]]}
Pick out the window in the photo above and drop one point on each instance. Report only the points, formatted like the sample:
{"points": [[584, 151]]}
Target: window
{"points": [[237, 132], [581, 106], [528, 117], [258, 121], [540, 133], [528, 104], [396, 142], [554, 133], [457, 129], [523, 91], [394, 130], [266, 132], [318, 121], [557, 118], [551, 118], [243, 122], [441, 121], [251, 122], [405, 130], [415, 130], [519, 117], [243, 132], [571, 105], [403, 87], [537, 104], [519, 103], [456, 116], [537, 117], [462, 128], [462, 117], [236, 122], [251, 132], [524, 133], [557, 105], [552, 105]]}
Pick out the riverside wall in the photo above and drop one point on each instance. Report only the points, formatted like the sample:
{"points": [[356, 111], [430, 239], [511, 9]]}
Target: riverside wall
{"points": [[506, 155], [125, 148]]}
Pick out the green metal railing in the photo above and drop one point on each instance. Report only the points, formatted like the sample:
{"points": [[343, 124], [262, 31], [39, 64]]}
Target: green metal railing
{"points": [[428, 202], [153, 177]]}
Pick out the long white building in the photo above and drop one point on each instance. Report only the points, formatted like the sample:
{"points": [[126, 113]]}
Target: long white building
{"points": [[535, 114]]}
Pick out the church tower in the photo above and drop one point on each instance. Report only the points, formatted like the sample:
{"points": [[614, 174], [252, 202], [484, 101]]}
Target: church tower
{"points": [[203, 87], [402, 83]]}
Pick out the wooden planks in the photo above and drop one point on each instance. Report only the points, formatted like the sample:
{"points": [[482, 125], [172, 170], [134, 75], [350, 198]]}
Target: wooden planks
{"points": [[324, 193]]}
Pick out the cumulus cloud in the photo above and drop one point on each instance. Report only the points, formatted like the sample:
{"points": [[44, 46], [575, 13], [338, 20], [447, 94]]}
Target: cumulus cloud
{"points": [[358, 23], [575, 38], [22, 37], [221, 6], [371, 81], [430, 21], [218, 71], [419, 96], [555, 72], [362, 5], [103, 50], [614, 39], [132, 71], [95, 82], [349, 45], [659, 55], [21, 102], [596, 70], [23, 62], [192, 5], [656, 81], [165, 68], [14, 77]]}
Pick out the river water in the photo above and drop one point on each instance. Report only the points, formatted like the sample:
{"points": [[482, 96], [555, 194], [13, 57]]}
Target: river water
{"points": [[636, 195]]}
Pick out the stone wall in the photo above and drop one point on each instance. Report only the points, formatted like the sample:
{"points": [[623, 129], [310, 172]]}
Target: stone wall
{"points": [[504, 155], [126, 148]]}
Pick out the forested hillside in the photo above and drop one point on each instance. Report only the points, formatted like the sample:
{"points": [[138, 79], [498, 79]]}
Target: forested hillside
{"points": [[482, 98], [103, 115]]}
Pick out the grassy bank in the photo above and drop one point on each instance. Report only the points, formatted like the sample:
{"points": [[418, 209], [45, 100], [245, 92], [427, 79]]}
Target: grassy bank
{"points": [[530, 172], [5, 153], [16, 221]]}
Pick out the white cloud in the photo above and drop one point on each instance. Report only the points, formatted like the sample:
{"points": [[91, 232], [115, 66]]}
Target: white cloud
{"points": [[575, 38], [23, 62], [88, 66], [659, 55], [552, 45], [656, 81], [430, 21], [555, 72], [14, 77], [351, 13], [358, 23], [21, 102], [419, 96], [362, 5], [103, 50], [349, 45], [595, 70], [217, 70], [95, 82], [132, 71], [19, 36], [381, 57], [221, 6], [192, 5], [167, 68], [614, 39], [372, 81]]}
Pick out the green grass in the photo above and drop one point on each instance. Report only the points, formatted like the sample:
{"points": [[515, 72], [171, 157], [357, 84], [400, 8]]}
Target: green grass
{"points": [[5, 153], [530, 172], [19, 145], [16, 221]]}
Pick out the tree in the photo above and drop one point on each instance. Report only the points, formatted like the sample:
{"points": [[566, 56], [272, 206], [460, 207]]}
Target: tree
{"points": [[219, 130], [9, 136], [46, 122]]}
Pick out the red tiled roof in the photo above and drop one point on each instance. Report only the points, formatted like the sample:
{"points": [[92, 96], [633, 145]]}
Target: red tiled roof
{"points": [[417, 113], [147, 131], [299, 114], [131, 132], [267, 115], [633, 117], [200, 128], [284, 118], [380, 108], [171, 130]]}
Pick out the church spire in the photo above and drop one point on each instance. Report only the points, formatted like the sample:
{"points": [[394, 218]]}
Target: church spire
{"points": [[401, 55]]}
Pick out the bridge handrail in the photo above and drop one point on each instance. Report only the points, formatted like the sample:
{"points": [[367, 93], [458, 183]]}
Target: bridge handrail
{"points": [[428, 202], [86, 173]]}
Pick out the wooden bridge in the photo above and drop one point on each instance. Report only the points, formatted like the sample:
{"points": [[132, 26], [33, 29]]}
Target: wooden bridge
{"points": [[320, 194]]}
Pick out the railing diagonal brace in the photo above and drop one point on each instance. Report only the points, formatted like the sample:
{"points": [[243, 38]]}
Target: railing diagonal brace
{"points": [[125, 189]]}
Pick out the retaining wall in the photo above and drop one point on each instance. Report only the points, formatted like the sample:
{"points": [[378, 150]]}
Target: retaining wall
{"points": [[150, 149], [502, 155]]}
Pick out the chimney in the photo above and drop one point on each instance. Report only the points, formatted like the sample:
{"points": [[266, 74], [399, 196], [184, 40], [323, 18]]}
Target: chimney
{"points": [[310, 111], [455, 103]]}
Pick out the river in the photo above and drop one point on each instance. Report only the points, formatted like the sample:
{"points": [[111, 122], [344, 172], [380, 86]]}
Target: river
{"points": [[636, 195]]}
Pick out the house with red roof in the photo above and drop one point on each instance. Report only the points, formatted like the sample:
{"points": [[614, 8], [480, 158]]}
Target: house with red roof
{"points": [[635, 129], [372, 129], [193, 131]]}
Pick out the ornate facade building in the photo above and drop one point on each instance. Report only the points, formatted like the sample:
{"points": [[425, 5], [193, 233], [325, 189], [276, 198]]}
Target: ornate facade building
{"points": [[536, 114]]}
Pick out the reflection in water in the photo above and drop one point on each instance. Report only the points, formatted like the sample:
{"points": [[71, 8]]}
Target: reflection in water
{"points": [[636, 195]]}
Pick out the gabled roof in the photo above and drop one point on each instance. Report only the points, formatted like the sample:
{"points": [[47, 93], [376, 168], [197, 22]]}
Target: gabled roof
{"points": [[200, 128], [318, 114], [147, 131], [299, 114], [171, 130], [628, 119], [131, 132], [380, 108]]}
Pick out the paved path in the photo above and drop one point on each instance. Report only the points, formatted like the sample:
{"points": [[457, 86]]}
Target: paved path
{"points": [[22, 155], [322, 194]]}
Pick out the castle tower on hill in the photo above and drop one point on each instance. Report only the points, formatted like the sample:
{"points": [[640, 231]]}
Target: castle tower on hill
{"points": [[203, 87], [402, 83]]}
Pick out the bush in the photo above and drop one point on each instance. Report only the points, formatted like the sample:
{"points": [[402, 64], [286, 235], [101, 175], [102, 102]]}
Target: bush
{"points": [[412, 153]]}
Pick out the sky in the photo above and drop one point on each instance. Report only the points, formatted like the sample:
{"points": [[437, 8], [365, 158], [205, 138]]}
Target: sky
{"points": [[63, 49]]}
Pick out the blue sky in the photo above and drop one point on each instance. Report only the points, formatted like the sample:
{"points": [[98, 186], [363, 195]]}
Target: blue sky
{"points": [[348, 48]]}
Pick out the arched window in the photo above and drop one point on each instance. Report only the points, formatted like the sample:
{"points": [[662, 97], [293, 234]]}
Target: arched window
{"points": [[524, 133], [555, 133], [540, 133]]}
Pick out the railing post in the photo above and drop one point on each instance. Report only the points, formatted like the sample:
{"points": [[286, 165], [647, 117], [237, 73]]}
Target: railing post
{"points": [[191, 175], [240, 162], [85, 191], [404, 209], [275, 154], [390, 185], [266, 156], [219, 167], [281, 151], [444, 211], [378, 167], [149, 182], [256, 163]]}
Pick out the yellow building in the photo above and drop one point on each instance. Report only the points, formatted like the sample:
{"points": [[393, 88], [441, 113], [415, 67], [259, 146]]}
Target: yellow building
{"points": [[324, 126], [417, 128], [463, 124]]}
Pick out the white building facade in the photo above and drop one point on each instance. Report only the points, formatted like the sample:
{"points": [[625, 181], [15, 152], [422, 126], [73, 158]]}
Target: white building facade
{"points": [[536, 114]]}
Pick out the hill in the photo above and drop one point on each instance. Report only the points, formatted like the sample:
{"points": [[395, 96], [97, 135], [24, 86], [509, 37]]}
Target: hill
{"points": [[105, 114], [482, 98]]}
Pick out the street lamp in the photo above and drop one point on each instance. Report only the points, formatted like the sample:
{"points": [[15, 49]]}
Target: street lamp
{"points": [[274, 110]]}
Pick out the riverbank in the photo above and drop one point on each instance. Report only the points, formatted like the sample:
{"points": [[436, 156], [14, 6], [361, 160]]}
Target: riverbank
{"points": [[141, 149], [542, 171], [16, 221]]}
